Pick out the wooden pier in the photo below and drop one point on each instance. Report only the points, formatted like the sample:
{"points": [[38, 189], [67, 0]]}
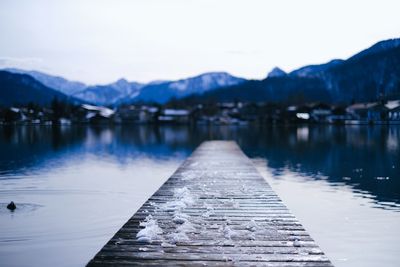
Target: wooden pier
{"points": [[215, 210]]}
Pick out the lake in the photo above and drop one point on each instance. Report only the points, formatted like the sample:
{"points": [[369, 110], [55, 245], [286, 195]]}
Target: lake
{"points": [[75, 186]]}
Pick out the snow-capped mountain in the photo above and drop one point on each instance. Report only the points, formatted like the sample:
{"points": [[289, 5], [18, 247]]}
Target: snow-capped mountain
{"points": [[378, 47], [313, 70], [58, 83], [18, 88], [276, 72], [110, 94], [163, 92], [204, 82], [123, 91], [369, 75]]}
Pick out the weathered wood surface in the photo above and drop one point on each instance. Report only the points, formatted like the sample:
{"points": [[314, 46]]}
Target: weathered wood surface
{"points": [[217, 210]]}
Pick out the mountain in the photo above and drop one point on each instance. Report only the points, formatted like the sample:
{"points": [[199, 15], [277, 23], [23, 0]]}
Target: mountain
{"points": [[164, 91], [123, 91], [276, 72], [273, 89], [110, 94], [98, 94], [58, 83], [370, 75], [379, 47], [313, 70], [22, 88]]}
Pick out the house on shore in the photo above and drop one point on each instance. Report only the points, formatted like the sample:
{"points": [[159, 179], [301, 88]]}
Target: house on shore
{"points": [[179, 116], [320, 112], [374, 112], [393, 111], [136, 114], [96, 114]]}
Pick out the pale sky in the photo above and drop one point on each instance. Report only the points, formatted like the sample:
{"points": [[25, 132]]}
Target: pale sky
{"points": [[100, 41]]}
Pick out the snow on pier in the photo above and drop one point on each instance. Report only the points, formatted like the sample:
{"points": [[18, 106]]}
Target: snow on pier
{"points": [[215, 210]]}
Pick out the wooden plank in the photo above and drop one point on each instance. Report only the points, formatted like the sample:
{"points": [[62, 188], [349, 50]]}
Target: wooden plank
{"points": [[215, 210]]}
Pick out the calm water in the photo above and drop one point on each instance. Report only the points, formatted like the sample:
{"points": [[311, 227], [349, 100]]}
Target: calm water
{"points": [[76, 186]]}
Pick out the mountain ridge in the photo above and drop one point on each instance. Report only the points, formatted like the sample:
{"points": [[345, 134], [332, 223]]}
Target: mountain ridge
{"points": [[52, 81], [370, 74], [21, 89], [163, 92], [123, 91]]}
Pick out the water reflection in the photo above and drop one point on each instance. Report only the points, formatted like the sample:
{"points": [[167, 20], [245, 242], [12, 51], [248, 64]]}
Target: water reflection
{"points": [[366, 158], [78, 185], [74, 188], [363, 157]]}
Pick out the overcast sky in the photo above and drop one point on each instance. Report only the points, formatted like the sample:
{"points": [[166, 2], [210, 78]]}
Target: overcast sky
{"points": [[99, 41]]}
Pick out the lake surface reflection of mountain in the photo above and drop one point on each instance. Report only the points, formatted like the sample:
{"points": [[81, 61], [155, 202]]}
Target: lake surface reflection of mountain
{"points": [[77, 185]]}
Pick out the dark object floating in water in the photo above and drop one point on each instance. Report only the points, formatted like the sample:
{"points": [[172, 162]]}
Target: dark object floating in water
{"points": [[11, 206]]}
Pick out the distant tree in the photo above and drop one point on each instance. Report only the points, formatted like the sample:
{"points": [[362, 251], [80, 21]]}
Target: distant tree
{"points": [[56, 108], [10, 116], [60, 109], [296, 98], [210, 109], [32, 106]]}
